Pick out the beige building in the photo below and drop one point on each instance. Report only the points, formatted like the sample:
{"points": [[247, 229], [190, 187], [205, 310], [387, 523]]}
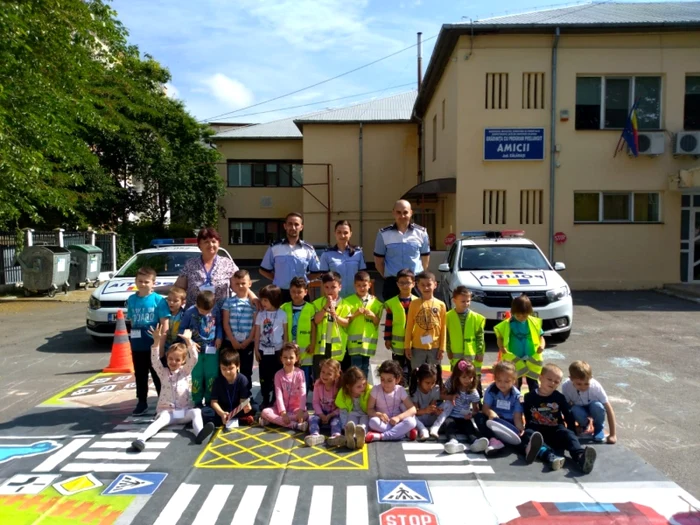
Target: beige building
{"points": [[521, 117]]}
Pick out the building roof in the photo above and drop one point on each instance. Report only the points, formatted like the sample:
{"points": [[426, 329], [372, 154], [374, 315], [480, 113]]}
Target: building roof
{"points": [[396, 108], [276, 129], [587, 18]]}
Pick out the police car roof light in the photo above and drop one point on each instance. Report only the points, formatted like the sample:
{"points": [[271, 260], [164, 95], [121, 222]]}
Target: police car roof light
{"points": [[512, 233], [492, 234], [157, 242], [191, 240]]}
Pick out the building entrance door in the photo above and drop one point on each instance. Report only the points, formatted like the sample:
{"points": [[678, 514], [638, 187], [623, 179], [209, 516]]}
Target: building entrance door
{"points": [[690, 239]]}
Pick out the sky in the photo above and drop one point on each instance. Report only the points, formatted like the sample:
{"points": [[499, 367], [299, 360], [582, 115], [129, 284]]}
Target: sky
{"points": [[226, 55]]}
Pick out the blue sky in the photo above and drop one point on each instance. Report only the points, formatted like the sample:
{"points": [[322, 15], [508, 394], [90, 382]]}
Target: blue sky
{"points": [[225, 55]]}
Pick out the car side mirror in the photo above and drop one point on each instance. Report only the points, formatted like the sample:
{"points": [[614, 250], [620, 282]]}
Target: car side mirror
{"points": [[444, 267], [559, 266], [110, 274]]}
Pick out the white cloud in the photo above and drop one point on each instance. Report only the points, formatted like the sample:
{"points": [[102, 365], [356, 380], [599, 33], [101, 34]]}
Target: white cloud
{"points": [[230, 92], [171, 91]]}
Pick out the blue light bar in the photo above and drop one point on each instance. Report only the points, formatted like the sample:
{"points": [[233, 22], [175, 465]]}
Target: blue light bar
{"points": [[158, 242]]}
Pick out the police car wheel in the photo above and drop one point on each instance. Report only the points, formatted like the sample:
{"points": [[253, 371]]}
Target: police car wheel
{"points": [[561, 336]]}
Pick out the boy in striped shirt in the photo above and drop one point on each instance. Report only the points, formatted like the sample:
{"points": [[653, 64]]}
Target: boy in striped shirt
{"points": [[238, 315]]}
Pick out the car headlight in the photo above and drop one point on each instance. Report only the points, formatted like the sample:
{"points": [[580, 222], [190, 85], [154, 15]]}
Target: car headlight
{"points": [[94, 303], [478, 296], [558, 294]]}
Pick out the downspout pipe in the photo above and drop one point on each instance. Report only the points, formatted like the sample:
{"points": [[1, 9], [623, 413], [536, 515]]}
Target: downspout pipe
{"points": [[553, 143], [362, 185]]}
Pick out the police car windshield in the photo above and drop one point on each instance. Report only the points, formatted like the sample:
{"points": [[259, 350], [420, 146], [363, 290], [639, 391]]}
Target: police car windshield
{"points": [[165, 263], [502, 257]]}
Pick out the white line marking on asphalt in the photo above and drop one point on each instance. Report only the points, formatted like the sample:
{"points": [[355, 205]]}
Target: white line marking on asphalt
{"points": [[356, 499], [105, 455], [150, 445], [211, 508], [61, 455], [285, 505], [249, 506], [105, 467], [177, 504], [321, 505]]}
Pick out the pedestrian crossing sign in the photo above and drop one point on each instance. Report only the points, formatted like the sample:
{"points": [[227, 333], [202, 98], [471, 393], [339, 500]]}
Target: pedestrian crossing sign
{"points": [[141, 484], [395, 492]]}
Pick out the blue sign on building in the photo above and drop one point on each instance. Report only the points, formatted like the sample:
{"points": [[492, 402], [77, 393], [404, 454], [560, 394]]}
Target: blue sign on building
{"points": [[514, 144]]}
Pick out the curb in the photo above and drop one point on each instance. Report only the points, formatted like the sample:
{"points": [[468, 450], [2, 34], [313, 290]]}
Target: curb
{"points": [[679, 295]]}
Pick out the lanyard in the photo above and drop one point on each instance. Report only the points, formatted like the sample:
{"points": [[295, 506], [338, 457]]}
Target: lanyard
{"points": [[288, 387], [394, 406], [324, 399], [239, 307], [173, 386], [232, 396], [207, 274]]}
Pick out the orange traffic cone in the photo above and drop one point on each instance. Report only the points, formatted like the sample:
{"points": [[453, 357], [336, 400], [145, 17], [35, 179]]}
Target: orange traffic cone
{"points": [[120, 362]]}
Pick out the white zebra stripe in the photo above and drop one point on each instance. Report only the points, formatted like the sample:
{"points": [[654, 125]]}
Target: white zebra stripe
{"points": [[150, 445], [285, 505], [321, 505], [250, 504], [212, 506], [449, 469], [177, 504]]}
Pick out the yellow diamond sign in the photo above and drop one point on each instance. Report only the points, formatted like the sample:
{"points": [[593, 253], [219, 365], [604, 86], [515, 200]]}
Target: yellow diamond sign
{"points": [[77, 484]]}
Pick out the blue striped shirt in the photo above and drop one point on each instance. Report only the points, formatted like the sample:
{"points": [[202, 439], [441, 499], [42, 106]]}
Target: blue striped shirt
{"points": [[241, 314]]}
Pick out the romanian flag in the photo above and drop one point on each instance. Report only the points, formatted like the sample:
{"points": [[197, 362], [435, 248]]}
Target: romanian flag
{"points": [[630, 133]]}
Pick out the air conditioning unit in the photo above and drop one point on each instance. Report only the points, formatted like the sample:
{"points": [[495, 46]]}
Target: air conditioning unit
{"points": [[651, 142], [687, 143]]}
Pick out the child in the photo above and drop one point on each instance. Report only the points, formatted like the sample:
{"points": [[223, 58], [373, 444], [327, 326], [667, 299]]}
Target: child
{"points": [[501, 400], [231, 390], [426, 332], [204, 320], [364, 323], [290, 393], [175, 402], [395, 321], [326, 413], [300, 323], [425, 394], [462, 404], [331, 322], [352, 400], [237, 317], [546, 412], [465, 332], [521, 342], [391, 411], [145, 310], [270, 336], [176, 304], [588, 399]]}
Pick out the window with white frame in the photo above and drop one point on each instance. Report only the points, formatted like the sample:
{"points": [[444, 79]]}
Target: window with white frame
{"points": [[255, 231], [282, 174], [617, 207], [691, 109], [604, 102]]}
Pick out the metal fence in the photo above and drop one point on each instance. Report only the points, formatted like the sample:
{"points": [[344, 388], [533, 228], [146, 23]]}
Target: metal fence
{"points": [[104, 242], [10, 272], [75, 238]]}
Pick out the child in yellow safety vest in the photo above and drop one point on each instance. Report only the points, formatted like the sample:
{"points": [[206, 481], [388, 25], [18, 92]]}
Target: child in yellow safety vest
{"points": [[395, 322], [329, 338], [300, 324], [366, 311], [465, 332], [521, 341]]}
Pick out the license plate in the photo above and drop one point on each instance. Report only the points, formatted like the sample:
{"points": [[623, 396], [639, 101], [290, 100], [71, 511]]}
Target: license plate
{"points": [[502, 315], [112, 318]]}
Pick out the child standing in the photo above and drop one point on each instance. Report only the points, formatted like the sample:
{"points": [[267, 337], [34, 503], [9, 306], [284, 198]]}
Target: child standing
{"points": [[300, 324], [204, 320], [546, 413], [290, 393], [521, 341], [462, 403], [395, 321], [145, 310], [331, 320], [391, 411], [425, 394], [352, 400], [364, 323], [175, 401], [326, 413], [270, 336], [176, 303], [237, 318], [426, 332], [231, 390], [588, 399], [465, 332]]}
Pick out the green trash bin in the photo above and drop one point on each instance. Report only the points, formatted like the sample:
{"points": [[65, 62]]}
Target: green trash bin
{"points": [[85, 265]]}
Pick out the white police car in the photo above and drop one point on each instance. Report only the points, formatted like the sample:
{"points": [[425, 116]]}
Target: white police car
{"points": [[499, 266], [165, 257]]}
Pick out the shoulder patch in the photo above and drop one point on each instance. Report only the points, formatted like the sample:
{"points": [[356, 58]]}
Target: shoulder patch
{"points": [[387, 228], [419, 227]]}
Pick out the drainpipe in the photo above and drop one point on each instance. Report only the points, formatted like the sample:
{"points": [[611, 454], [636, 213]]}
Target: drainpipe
{"points": [[362, 185], [553, 144], [421, 168]]}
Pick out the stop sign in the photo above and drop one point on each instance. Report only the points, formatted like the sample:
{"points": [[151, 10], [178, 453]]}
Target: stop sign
{"points": [[560, 237], [450, 239], [407, 516]]}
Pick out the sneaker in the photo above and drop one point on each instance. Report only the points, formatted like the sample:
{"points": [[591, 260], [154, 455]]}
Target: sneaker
{"points": [[599, 437], [360, 437], [373, 436], [533, 447], [141, 408], [424, 435], [246, 420], [314, 439], [479, 445], [303, 426], [494, 446], [413, 434], [435, 433], [336, 441], [263, 422], [586, 460], [205, 433], [138, 444], [555, 462], [454, 447], [350, 430]]}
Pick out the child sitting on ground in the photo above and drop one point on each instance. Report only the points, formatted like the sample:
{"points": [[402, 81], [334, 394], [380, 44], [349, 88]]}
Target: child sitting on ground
{"points": [[230, 395], [391, 411], [425, 390], [352, 400], [175, 400], [290, 393], [326, 413]]}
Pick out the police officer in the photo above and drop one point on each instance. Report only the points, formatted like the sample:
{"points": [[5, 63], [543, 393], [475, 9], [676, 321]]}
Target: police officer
{"points": [[290, 257], [401, 245]]}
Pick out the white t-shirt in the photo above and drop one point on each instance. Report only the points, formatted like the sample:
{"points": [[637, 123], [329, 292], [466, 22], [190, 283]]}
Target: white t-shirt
{"points": [[271, 326], [594, 393]]}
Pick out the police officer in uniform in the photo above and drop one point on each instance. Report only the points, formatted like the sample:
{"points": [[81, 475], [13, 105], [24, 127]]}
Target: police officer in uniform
{"points": [[290, 257], [401, 245]]}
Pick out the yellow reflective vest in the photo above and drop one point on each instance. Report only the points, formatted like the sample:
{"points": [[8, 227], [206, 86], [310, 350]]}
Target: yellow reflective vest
{"points": [[466, 343], [339, 336], [344, 402], [528, 366], [362, 332], [398, 323], [304, 326]]}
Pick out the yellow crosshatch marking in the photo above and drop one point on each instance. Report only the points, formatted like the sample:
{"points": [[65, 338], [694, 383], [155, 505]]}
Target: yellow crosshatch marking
{"points": [[269, 448]]}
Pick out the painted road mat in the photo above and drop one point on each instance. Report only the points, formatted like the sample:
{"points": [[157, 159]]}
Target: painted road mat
{"points": [[68, 462]]}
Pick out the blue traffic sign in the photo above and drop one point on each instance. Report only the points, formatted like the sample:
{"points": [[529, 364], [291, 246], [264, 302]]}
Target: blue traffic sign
{"points": [[514, 144], [396, 492], [136, 484]]}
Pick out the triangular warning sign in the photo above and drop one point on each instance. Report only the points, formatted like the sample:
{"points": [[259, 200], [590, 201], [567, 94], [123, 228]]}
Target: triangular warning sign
{"points": [[403, 493], [129, 483]]}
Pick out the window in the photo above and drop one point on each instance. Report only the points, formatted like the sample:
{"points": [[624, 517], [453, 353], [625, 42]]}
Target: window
{"points": [[531, 206], [265, 174], [494, 207], [496, 90], [255, 231], [533, 90], [443, 113], [426, 218], [691, 110], [435, 137], [605, 102], [617, 207]]}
